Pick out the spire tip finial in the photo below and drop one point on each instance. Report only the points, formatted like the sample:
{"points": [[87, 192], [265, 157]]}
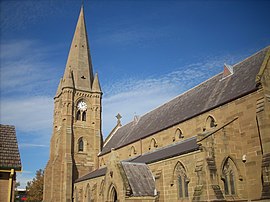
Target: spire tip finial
{"points": [[82, 3]]}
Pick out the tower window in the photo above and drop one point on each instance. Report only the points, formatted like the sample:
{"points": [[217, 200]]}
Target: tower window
{"points": [[84, 116], [80, 144], [78, 115]]}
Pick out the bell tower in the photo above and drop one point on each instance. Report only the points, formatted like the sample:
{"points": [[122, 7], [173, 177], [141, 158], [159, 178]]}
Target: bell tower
{"points": [[76, 139]]}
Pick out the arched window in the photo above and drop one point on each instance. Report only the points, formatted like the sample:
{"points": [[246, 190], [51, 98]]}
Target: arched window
{"points": [[80, 144], [153, 144], [78, 115], [178, 134], [132, 151], [210, 123], [229, 177], [182, 180], [113, 195], [84, 116]]}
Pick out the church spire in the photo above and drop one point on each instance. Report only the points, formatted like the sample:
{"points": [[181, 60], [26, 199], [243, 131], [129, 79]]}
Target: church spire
{"points": [[79, 59]]}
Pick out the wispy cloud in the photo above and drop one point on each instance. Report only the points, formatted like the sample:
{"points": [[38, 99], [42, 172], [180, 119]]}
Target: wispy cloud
{"points": [[25, 68], [137, 96], [28, 114], [130, 35], [26, 85], [32, 145]]}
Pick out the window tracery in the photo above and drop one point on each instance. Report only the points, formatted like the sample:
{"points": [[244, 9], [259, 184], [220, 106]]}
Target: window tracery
{"points": [[229, 173], [182, 180]]}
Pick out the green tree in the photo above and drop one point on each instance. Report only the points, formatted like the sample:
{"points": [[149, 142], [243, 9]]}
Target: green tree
{"points": [[34, 188]]}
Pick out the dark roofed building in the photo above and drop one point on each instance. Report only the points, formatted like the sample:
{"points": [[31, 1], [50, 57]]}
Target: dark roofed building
{"points": [[10, 161], [210, 94], [196, 147]]}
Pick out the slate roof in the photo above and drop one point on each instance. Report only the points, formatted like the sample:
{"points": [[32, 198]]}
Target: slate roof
{"points": [[176, 149], [94, 174], [204, 97], [179, 148], [139, 178], [9, 151]]}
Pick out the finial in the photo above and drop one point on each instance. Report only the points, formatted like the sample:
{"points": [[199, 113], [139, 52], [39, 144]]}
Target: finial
{"points": [[82, 3], [118, 116]]}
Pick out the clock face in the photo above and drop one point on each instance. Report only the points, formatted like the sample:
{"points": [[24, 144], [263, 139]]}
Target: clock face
{"points": [[82, 105]]}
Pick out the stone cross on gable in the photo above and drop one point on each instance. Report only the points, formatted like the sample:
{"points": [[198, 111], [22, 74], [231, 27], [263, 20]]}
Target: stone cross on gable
{"points": [[118, 116]]}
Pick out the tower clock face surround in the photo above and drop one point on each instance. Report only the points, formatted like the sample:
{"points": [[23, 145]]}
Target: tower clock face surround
{"points": [[82, 106]]}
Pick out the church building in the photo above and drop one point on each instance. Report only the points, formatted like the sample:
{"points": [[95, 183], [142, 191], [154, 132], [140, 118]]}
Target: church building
{"points": [[211, 143]]}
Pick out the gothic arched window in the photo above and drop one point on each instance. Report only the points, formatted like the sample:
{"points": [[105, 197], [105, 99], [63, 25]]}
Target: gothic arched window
{"points": [[153, 144], [182, 180], [112, 196], [80, 144], [84, 116], [229, 177], [210, 123], [132, 151], [178, 134], [78, 115]]}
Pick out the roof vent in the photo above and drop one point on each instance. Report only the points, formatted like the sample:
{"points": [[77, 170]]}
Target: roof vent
{"points": [[228, 70]]}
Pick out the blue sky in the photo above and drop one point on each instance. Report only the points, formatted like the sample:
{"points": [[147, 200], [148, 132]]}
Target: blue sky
{"points": [[146, 52]]}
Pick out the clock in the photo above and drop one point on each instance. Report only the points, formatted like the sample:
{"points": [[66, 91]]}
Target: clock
{"points": [[82, 106]]}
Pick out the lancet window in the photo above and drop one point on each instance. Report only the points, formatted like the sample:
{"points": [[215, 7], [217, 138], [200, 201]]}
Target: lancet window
{"points": [[182, 180], [132, 151], [153, 144], [210, 123], [178, 134], [229, 177], [80, 144]]}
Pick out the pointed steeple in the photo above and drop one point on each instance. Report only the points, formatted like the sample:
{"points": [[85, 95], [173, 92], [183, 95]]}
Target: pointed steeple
{"points": [[96, 85], [79, 59]]}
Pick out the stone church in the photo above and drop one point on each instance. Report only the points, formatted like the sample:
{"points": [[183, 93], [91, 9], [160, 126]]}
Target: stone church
{"points": [[211, 143]]}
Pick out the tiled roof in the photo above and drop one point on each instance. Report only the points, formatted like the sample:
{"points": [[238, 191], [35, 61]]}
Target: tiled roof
{"points": [[94, 174], [208, 95], [139, 178], [9, 152], [179, 148]]}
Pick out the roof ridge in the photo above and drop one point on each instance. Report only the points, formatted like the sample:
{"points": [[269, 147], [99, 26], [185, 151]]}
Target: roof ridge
{"points": [[247, 67], [197, 85], [251, 55]]}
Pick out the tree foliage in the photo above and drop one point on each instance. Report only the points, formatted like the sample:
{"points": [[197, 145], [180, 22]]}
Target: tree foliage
{"points": [[34, 188]]}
